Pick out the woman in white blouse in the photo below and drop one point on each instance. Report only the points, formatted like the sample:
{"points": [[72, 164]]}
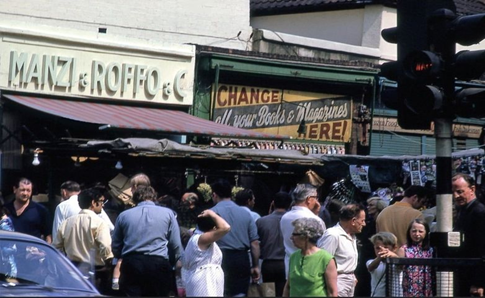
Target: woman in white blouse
{"points": [[201, 264]]}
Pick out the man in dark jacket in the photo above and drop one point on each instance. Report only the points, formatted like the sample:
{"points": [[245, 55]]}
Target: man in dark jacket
{"points": [[271, 243], [471, 223]]}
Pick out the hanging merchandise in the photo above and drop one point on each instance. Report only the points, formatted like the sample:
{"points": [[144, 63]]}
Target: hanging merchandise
{"points": [[360, 177], [415, 167], [480, 169], [423, 169], [235, 190], [406, 172], [342, 190], [384, 193], [472, 167], [312, 178], [205, 190], [430, 171]]}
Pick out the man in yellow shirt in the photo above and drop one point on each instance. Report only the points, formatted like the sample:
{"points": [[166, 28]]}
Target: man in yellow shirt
{"points": [[82, 234]]}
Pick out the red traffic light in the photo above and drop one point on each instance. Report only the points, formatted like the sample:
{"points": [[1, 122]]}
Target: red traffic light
{"points": [[422, 65]]}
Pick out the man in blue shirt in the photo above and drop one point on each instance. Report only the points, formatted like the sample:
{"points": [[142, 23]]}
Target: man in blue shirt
{"points": [[147, 237], [28, 216], [235, 244]]}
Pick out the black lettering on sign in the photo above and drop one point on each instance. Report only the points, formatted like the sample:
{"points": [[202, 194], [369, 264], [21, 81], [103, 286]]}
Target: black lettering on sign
{"points": [[278, 114]]}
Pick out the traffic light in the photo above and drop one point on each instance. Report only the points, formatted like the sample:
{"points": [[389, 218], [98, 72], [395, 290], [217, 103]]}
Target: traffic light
{"points": [[414, 102], [424, 97], [426, 74], [470, 103], [469, 65], [416, 99]]}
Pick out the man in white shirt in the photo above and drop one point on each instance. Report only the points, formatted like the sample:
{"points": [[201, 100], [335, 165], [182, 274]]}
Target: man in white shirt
{"points": [[70, 206], [305, 205], [341, 242]]}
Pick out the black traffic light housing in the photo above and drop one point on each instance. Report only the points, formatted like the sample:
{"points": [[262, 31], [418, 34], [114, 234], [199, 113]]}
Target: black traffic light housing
{"points": [[411, 37], [422, 69], [469, 65], [468, 30], [470, 102], [426, 71]]}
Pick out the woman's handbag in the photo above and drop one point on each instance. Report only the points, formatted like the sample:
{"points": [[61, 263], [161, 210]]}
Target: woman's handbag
{"points": [[265, 289]]}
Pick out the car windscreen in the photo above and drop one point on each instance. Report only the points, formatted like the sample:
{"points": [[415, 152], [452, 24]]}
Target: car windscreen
{"points": [[30, 263]]}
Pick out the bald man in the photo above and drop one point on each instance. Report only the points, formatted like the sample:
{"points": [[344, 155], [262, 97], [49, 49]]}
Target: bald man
{"points": [[188, 210]]}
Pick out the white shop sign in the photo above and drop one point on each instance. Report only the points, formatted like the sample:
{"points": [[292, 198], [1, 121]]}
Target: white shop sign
{"points": [[110, 73]]}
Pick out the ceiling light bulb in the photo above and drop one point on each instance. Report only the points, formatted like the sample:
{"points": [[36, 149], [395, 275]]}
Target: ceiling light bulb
{"points": [[36, 160], [118, 165]]}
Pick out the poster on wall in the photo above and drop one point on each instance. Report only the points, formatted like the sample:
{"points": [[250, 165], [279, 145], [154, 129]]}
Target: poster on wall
{"points": [[360, 177], [328, 117]]}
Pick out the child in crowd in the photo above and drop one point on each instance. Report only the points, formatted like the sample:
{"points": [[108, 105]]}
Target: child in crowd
{"points": [[385, 246], [417, 280], [7, 252]]}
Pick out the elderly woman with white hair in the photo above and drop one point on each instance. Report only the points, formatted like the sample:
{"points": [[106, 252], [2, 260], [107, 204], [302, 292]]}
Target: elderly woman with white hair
{"points": [[313, 271], [374, 206]]}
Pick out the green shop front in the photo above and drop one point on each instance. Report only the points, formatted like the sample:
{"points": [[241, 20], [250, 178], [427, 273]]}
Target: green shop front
{"points": [[321, 106]]}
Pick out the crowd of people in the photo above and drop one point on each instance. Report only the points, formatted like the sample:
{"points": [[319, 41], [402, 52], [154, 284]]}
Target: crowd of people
{"points": [[302, 247]]}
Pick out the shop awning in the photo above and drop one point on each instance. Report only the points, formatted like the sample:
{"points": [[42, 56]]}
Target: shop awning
{"points": [[141, 118]]}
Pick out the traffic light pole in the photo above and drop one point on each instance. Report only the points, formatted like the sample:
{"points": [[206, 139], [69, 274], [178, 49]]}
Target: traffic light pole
{"points": [[444, 200], [443, 123], [426, 70]]}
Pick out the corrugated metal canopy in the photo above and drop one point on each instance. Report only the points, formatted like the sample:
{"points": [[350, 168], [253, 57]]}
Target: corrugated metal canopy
{"points": [[142, 118]]}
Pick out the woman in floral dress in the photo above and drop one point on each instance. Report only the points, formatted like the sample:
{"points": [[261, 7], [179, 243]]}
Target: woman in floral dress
{"points": [[417, 280]]}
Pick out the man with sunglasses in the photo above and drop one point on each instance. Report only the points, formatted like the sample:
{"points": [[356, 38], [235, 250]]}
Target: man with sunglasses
{"points": [[70, 206], [85, 232]]}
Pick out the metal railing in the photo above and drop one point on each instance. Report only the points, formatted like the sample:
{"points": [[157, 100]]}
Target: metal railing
{"points": [[443, 278]]}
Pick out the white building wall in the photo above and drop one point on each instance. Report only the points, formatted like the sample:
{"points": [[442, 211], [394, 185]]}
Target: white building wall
{"points": [[338, 26], [389, 20], [354, 27], [208, 22], [372, 25]]}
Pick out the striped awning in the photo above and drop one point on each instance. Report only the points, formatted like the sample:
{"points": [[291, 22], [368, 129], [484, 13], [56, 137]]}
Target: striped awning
{"points": [[141, 118]]}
